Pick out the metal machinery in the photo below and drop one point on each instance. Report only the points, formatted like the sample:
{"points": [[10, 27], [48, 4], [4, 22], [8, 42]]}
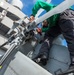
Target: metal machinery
{"points": [[23, 46]]}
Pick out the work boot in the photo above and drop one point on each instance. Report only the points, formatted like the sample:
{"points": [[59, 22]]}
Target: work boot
{"points": [[41, 59], [72, 61]]}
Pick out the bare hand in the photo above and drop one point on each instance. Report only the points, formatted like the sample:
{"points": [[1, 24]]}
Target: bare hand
{"points": [[31, 18]]}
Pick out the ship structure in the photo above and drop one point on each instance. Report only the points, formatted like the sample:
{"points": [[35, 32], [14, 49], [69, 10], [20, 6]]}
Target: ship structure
{"points": [[19, 44]]}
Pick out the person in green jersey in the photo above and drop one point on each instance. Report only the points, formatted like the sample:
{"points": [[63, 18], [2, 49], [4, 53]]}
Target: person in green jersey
{"points": [[62, 23]]}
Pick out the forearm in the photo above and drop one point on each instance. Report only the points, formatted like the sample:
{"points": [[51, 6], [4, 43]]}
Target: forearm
{"points": [[41, 4]]}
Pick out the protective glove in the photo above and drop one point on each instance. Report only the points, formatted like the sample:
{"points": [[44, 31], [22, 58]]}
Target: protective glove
{"points": [[39, 30]]}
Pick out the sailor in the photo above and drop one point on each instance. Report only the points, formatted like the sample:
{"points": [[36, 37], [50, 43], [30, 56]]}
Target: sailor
{"points": [[58, 24], [43, 27]]}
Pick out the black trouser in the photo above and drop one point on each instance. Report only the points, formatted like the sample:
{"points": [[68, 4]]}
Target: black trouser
{"points": [[66, 27]]}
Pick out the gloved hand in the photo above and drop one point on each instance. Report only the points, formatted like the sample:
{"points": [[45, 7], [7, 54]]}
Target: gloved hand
{"points": [[39, 31]]}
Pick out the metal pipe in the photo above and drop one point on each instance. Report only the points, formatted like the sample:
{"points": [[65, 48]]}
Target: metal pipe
{"points": [[12, 47], [60, 8]]}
